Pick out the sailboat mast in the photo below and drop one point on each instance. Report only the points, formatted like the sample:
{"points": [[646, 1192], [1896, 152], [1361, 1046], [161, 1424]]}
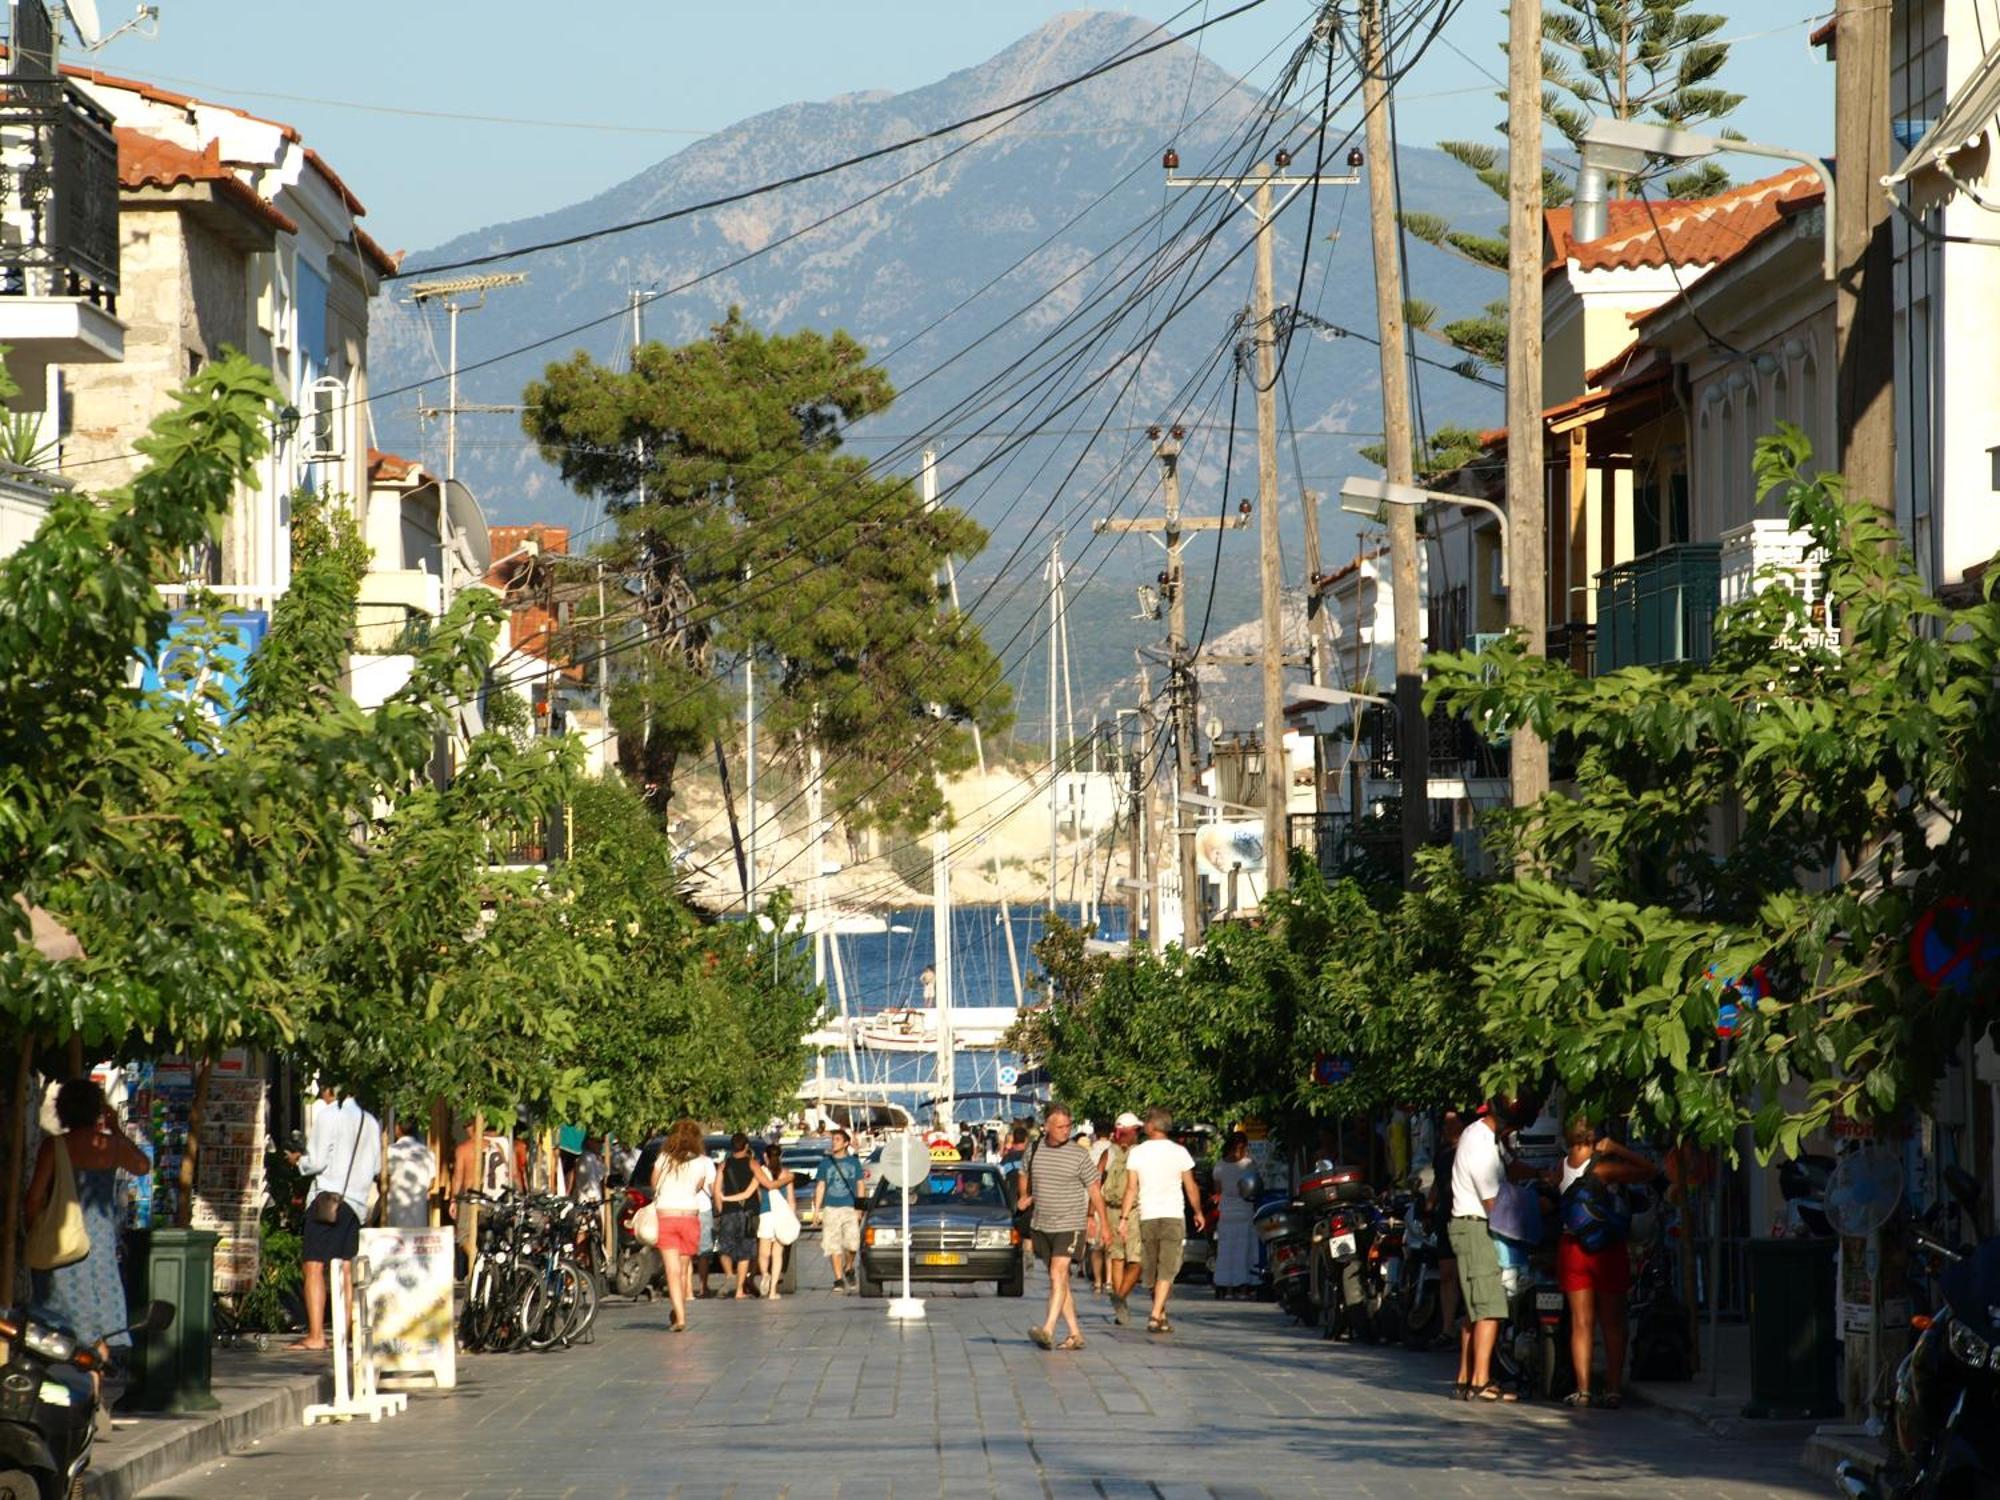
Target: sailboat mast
{"points": [[947, 1072], [978, 742]]}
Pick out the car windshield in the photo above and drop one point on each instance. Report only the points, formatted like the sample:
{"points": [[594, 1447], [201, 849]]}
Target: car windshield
{"points": [[977, 1186]]}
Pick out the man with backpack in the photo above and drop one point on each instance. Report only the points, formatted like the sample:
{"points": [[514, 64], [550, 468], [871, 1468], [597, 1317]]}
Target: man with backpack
{"points": [[1593, 1260]]}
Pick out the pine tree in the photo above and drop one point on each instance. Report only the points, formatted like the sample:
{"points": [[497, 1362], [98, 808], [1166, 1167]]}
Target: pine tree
{"points": [[1627, 59]]}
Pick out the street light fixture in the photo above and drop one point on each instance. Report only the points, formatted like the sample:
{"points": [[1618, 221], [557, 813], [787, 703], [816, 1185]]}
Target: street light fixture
{"points": [[1312, 692], [1373, 497], [1622, 148]]}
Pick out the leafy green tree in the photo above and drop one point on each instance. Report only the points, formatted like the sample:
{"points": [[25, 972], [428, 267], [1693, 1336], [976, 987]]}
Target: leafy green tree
{"points": [[1653, 60], [698, 1018], [1859, 781], [745, 531]]}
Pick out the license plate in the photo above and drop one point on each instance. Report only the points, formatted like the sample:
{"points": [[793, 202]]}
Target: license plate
{"points": [[1549, 1302], [936, 1259], [1341, 1247]]}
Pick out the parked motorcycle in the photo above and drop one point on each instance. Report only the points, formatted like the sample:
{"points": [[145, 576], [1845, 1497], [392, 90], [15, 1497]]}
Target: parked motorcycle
{"points": [[1944, 1413], [48, 1405], [1534, 1341], [638, 1270], [1340, 1201], [1286, 1233]]}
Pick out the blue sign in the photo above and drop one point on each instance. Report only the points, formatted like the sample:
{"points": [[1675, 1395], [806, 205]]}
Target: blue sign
{"points": [[232, 637], [1331, 1070]]}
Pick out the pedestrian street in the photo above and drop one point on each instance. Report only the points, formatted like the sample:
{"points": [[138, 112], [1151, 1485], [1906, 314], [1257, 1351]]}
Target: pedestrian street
{"points": [[822, 1396]]}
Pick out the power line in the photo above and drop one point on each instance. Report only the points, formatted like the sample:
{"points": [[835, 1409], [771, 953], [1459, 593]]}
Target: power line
{"points": [[813, 174]]}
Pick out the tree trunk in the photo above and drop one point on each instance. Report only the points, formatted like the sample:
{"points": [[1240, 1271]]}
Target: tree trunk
{"points": [[197, 1109], [17, 1146], [735, 832], [441, 1157]]}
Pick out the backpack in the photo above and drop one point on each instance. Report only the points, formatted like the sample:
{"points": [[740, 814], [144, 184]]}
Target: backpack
{"points": [[1594, 1213]]}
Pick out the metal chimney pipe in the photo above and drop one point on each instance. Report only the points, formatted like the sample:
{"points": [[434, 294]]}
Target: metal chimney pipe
{"points": [[1590, 215]]}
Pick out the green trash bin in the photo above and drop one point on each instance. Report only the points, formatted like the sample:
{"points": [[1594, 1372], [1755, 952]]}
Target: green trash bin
{"points": [[170, 1370], [1792, 1329]]}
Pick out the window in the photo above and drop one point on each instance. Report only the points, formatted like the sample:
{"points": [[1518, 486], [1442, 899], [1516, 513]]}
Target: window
{"points": [[1743, 485], [1809, 407]]}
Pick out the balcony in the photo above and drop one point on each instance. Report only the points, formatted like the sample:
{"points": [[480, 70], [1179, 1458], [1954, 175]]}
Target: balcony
{"points": [[58, 212], [1659, 608]]}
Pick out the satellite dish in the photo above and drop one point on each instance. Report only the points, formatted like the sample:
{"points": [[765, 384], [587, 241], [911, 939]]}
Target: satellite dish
{"points": [[1863, 1191], [83, 16]]}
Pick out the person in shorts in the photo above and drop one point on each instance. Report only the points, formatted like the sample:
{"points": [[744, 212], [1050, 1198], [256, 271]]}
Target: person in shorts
{"points": [[837, 1206], [1477, 1170], [1121, 1248], [343, 1155], [1058, 1182], [1158, 1172]]}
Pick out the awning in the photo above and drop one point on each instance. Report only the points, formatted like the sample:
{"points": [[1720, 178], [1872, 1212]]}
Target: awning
{"points": [[1927, 170]]}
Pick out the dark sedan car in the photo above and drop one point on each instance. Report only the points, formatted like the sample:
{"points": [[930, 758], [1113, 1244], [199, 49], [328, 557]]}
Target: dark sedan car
{"points": [[961, 1229]]}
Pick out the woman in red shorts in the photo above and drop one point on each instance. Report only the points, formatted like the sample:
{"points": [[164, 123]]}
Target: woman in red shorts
{"points": [[1597, 1281], [682, 1176]]}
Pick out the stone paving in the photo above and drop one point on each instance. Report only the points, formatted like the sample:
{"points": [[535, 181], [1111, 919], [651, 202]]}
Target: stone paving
{"points": [[821, 1396]]}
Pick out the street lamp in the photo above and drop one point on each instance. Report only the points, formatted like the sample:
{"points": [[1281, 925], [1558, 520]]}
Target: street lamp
{"points": [[1373, 497], [1312, 692], [1622, 148]]}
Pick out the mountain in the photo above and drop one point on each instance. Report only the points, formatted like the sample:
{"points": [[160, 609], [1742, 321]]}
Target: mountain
{"points": [[906, 269]]}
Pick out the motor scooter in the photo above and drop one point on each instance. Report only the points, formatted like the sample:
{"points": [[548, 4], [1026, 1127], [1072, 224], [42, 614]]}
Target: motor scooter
{"points": [[1341, 1203], [1286, 1233], [637, 1269], [1944, 1413], [49, 1402]]}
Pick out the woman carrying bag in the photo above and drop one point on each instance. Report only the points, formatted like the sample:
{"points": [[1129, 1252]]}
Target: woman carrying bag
{"points": [[73, 1218], [778, 1225]]}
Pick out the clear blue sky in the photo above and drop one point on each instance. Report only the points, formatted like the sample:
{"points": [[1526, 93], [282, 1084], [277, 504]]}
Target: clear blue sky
{"points": [[657, 67]]}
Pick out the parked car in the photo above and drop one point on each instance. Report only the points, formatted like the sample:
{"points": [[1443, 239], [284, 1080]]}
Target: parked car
{"points": [[961, 1230]]}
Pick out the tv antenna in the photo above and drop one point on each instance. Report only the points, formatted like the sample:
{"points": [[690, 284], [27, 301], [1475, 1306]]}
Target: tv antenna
{"points": [[83, 19]]}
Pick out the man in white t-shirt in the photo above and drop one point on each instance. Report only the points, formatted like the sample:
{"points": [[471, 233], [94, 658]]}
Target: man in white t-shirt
{"points": [[1476, 1174], [1158, 1172]]}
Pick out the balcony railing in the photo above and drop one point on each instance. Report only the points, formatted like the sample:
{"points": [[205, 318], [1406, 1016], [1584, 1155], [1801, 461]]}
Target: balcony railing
{"points": [[1764, 552], [1659, 608], [58, 191]]}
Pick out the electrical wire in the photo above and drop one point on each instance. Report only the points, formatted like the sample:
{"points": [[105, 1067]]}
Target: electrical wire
{"points": [[724, 200]]}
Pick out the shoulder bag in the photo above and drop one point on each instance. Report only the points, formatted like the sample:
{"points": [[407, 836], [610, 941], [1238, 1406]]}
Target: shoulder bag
{"points": [[59, 1237], [784, 1218], [325, 1207], [1024, 1217], [1594, 1212]]}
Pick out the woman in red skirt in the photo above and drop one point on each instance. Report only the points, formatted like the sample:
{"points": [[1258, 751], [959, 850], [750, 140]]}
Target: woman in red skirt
{"points": [[1597, 1281]]}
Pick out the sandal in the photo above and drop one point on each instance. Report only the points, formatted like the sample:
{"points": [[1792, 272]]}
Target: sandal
{"points": [[1074, 1341], [1578, 1400], [1154, 1325], [1493, 1391], [1041, 1337], [1611, 1400], [1461, 1390]]}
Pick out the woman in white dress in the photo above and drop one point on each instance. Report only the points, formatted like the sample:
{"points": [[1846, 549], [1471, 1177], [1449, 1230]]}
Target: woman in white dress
{"points": [[1236, 1190]]}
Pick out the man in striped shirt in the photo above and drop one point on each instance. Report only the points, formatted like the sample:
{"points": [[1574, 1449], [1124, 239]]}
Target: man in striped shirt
{"points": [[1058, 1182]]}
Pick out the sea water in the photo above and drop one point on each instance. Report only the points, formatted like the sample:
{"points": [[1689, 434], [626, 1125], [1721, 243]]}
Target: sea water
{"points": [[885, 972]]}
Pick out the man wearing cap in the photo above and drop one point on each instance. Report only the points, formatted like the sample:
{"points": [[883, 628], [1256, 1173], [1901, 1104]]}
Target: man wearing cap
{"points": [[1122, 1235]]}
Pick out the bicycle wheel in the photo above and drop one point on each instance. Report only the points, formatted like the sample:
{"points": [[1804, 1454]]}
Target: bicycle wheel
{"points": [[583, 1306], [542, 1313]]}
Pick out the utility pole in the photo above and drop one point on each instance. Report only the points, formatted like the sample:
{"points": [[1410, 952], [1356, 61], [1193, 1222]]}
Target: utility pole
{"points": [[1864, 300], [450, 294], [1055, 769], [1527, 605], [1180, 664], [1399, 437], [1277, 780]]}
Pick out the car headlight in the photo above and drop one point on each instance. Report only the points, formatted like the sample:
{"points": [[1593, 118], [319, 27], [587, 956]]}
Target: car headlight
{"points": [[50, 1343], [883, 1236], [998, 1237], [1966, 1345]]}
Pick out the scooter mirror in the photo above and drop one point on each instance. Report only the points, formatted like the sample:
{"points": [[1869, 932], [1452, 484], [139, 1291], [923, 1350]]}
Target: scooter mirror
{"points": [[159, 1317], [1963, 1186]]}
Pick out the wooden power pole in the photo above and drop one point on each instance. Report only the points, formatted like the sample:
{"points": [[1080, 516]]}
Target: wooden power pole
{"points": [[1527, 604], [1399, 436], [1864, 298], [1180, 662], [1261, 181]]}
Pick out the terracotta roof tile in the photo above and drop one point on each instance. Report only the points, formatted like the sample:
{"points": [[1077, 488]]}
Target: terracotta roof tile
{"points": [[1822, 34], [382, 260], [158, 95], [146, 161], [390, 468], [318, 164], [1694, 232]]}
